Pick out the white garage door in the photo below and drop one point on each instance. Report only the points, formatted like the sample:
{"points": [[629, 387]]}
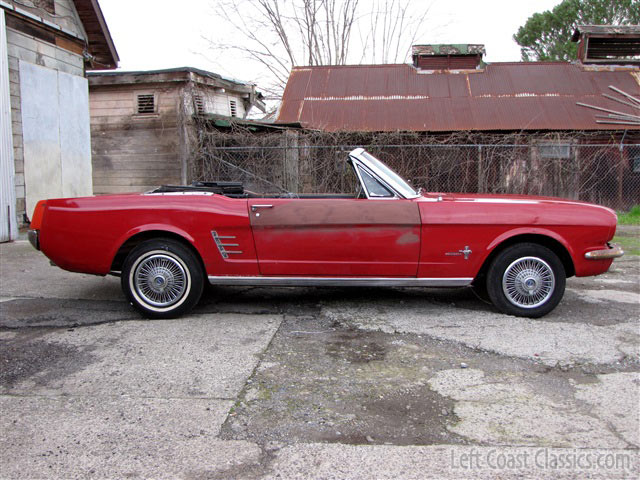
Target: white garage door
{"points": [[56, 134]]}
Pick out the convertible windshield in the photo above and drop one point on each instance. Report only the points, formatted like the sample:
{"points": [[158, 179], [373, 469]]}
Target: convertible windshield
{"points": [[390, 176]]}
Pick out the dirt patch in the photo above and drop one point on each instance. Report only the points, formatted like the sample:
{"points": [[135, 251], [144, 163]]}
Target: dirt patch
{"points": [[26, 356], [354, 347]]}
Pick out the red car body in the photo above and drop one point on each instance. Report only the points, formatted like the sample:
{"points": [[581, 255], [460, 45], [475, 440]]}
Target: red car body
{"points": [[429, 240], [325, 237]]}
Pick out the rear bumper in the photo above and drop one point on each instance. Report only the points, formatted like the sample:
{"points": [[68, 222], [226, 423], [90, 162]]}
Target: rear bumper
{"points": [[34, 238], [614, 251]]}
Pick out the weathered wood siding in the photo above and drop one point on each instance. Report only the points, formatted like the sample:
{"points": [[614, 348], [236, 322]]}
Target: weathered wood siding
{"points": [[136, 152], [132, 152], [67, 17], [220, 104]]}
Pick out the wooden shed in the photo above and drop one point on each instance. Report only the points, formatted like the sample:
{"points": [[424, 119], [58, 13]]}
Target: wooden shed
{"points": [[142, 125]]}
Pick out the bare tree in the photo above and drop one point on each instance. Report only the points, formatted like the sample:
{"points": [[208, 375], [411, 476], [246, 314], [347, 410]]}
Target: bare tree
{"points": [[392, 28], [280, 34]]}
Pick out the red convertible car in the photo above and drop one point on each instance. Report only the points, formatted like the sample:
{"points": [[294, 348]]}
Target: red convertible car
{"points": [[166, 243]]}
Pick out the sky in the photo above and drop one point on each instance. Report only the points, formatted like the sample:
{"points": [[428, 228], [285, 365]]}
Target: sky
{"points": [[153, 34]]}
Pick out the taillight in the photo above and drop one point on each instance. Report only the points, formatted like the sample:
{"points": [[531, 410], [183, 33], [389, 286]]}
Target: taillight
{"points": [[38, 213]]}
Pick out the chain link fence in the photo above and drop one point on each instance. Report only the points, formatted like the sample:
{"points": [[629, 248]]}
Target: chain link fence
{"points": [[603, 174]]}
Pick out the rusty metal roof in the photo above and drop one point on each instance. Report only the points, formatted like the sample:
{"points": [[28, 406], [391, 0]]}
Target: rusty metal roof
{"points": [[503, 96]]}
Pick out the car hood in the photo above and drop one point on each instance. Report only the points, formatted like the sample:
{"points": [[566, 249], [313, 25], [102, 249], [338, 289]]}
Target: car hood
{"points": [[505, 199]]}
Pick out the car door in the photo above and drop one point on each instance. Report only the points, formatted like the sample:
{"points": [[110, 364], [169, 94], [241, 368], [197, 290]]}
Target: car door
{"points": [[377, 236]]}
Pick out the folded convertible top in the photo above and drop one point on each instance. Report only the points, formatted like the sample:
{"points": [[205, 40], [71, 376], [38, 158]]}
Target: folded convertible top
{"points": [[221, 188]]}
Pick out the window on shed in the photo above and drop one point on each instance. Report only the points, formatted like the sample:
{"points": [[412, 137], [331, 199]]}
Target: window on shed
{"points": [[198, 104], [555, 150], [146, 103], [233, 108]]}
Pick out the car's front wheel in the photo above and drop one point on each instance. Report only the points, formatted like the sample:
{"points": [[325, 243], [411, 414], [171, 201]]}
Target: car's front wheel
{"points": [[526, 280], [162, 278]]}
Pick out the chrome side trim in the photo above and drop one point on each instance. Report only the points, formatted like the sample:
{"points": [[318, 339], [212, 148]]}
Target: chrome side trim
{"points": [[340, 282], [615, 251]]}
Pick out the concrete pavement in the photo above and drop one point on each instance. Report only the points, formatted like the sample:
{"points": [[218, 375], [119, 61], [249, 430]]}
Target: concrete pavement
{"points": [[314, 383]]}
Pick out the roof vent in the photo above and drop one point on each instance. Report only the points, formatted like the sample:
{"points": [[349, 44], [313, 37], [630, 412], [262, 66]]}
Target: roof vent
{"points": [[146, 103], [198, 102], [448, 57], [608, 44]]}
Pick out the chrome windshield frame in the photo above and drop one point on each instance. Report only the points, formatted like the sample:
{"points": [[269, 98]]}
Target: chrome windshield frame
{"points": [[359, 168], [401, 190]]}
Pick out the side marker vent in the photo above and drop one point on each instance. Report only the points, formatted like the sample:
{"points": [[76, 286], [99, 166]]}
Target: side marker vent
{"points": [[222, 246]]}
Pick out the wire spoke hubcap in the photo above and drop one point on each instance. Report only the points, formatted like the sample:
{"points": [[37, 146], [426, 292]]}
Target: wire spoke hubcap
{"points": [[528, 282], [160, 280]]}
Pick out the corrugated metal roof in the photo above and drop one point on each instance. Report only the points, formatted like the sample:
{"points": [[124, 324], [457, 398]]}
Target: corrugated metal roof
{"points": [[503, 96]]}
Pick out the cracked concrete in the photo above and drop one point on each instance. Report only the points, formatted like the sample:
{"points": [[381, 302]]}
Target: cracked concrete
{"points": [[614, 399], [116, 437], [354, 462], [200, 356], [542, 340], [608, 295], [503, 409]]}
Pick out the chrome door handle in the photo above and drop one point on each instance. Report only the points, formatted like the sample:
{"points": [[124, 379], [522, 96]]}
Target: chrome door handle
{"points": [[255, 207]]}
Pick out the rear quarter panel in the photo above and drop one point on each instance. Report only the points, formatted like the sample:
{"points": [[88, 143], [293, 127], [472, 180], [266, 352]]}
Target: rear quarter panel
{"points": [[451, 225], [84, 234]]}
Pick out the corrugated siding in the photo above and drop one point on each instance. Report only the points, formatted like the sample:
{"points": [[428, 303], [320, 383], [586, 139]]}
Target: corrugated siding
{"points": [[505, 96], [8, 227]]}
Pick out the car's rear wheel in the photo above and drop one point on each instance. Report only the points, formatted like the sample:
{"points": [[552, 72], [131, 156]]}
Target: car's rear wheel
{"points": [[162, 278], [526, 280]]}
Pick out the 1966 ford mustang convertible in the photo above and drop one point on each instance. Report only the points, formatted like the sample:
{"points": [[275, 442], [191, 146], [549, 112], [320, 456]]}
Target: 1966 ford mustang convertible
{"points": [[166, 243]]}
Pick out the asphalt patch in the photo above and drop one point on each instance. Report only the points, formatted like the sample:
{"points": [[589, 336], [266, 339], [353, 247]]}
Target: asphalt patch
{"points": [[63, 313], [323, 382]]}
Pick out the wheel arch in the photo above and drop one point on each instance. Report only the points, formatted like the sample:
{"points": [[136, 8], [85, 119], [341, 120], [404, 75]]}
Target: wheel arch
{"points": [[538, 238], [154, 234]]}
